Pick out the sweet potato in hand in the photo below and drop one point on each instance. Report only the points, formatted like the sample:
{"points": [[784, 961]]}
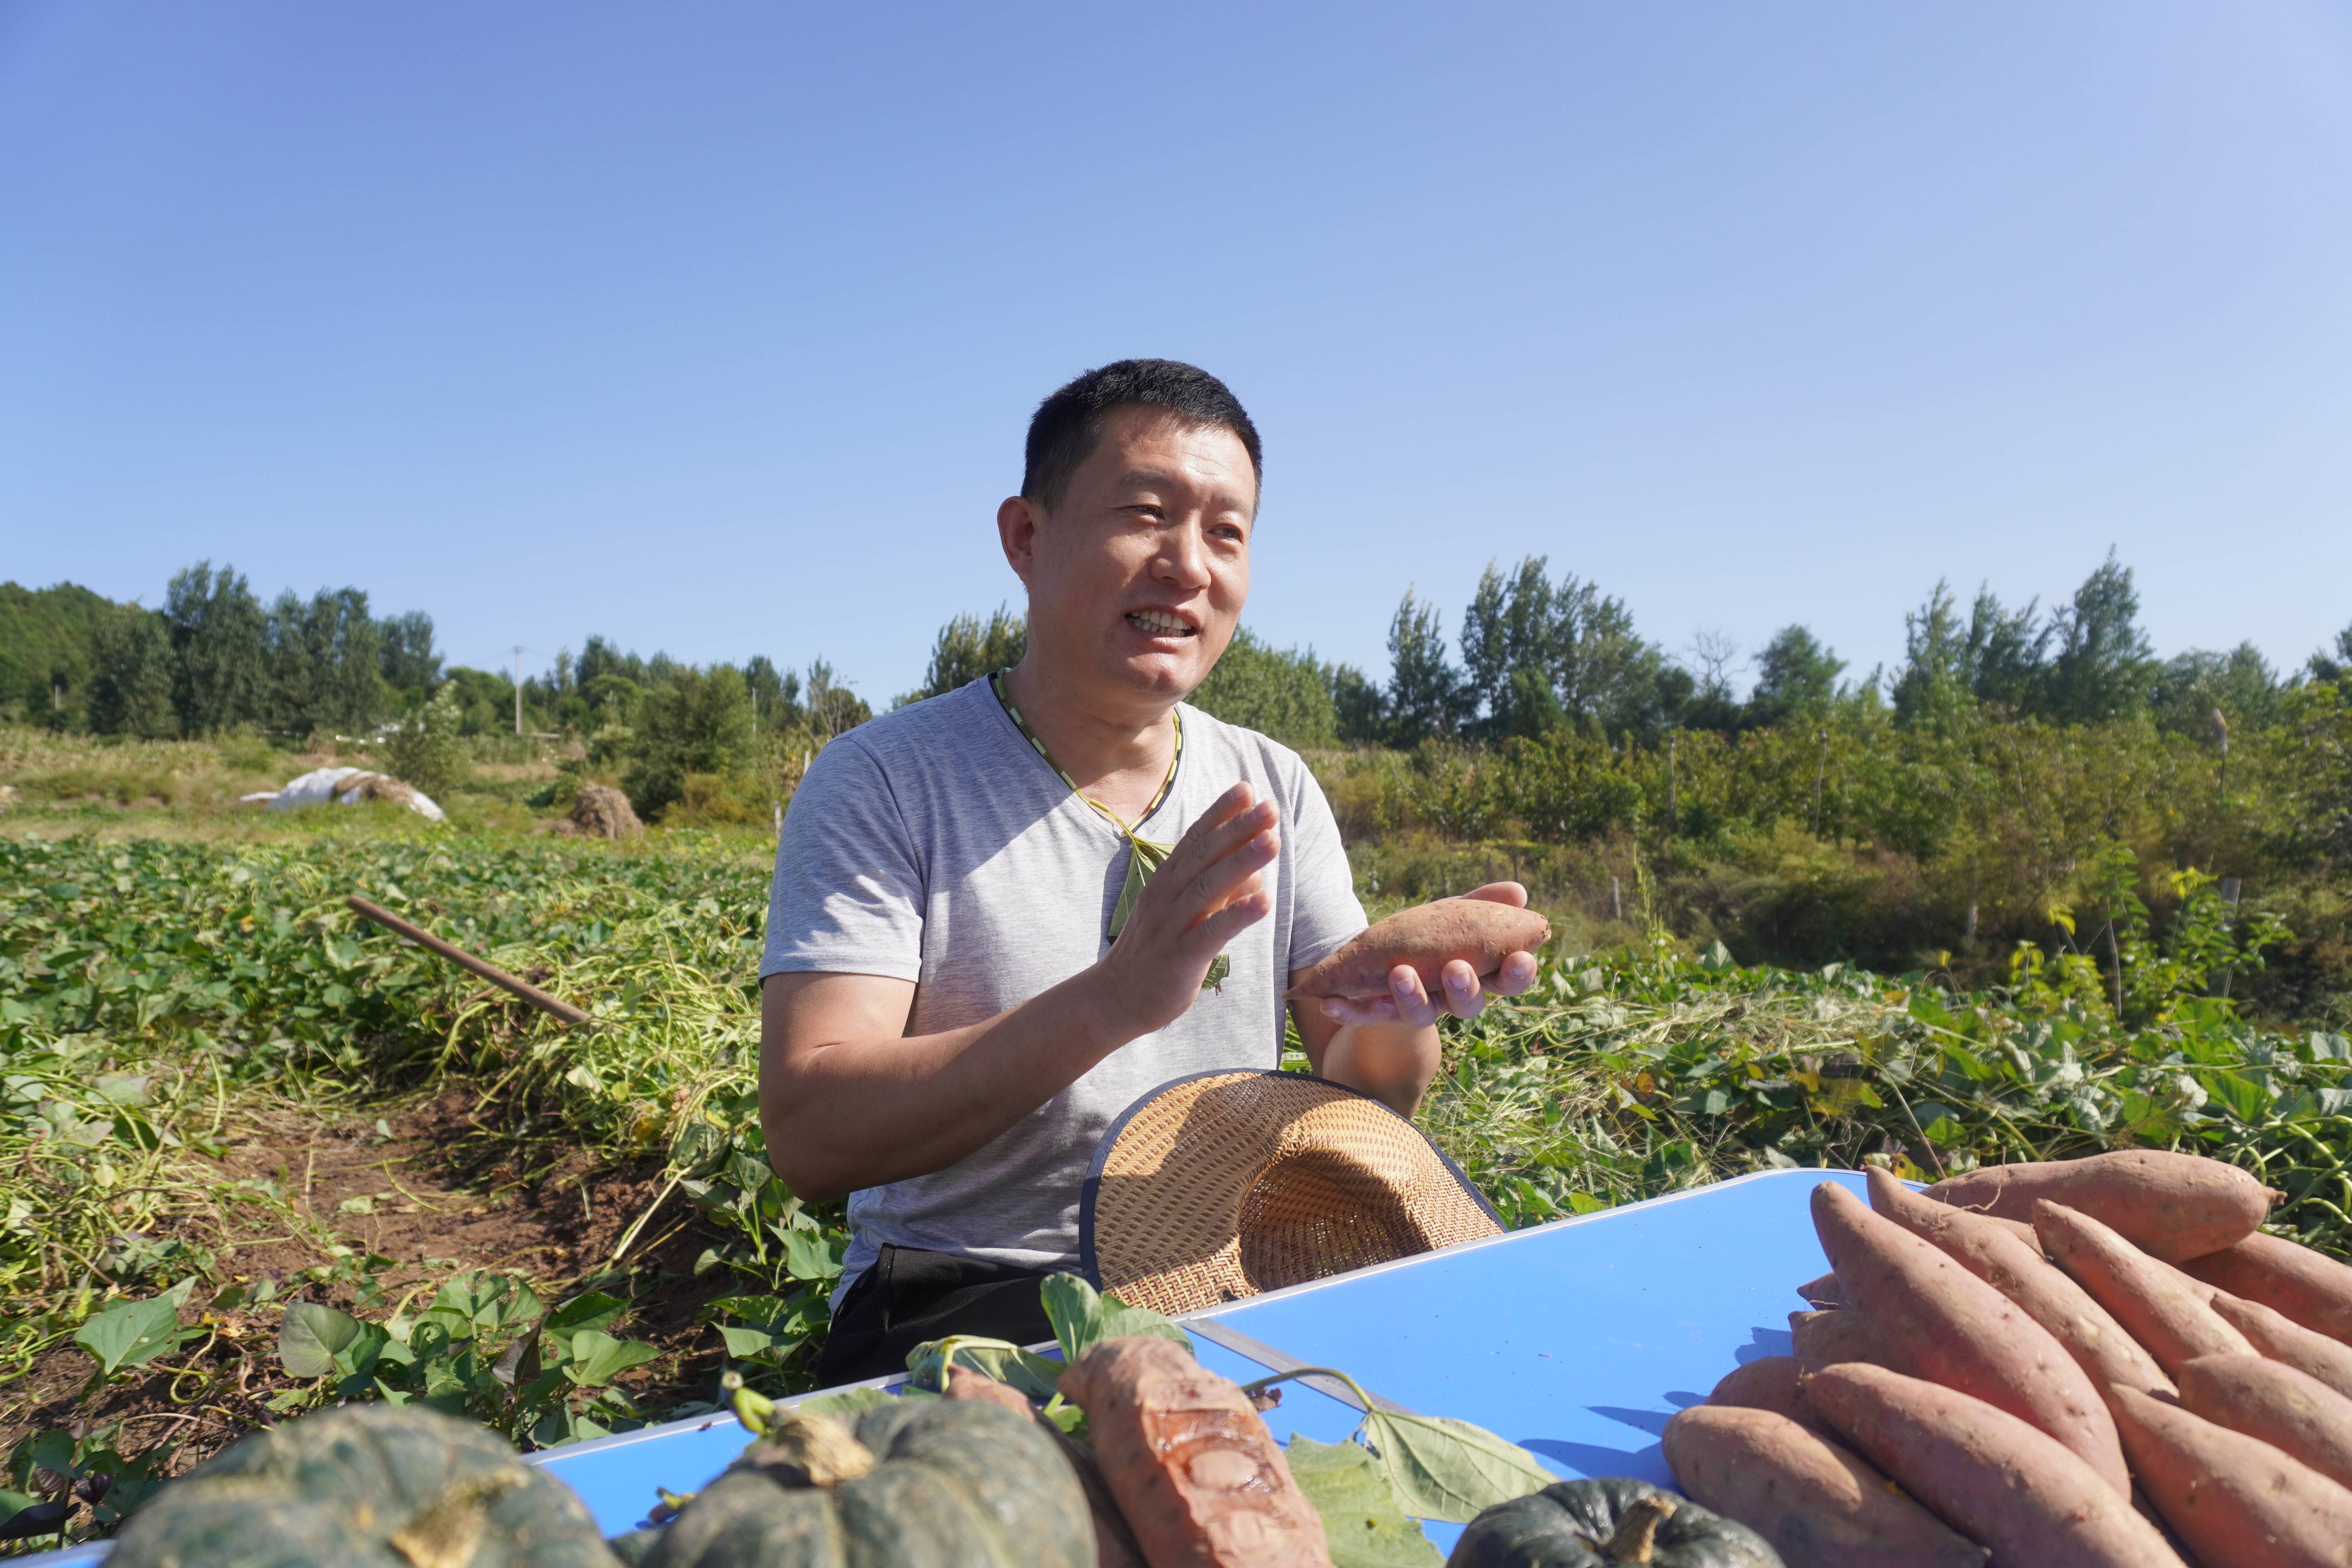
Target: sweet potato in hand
{"points": [[1479, 932]]}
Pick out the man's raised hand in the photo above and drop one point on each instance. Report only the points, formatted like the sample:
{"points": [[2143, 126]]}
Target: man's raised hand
{"points": [[1460, 992], [1209, 889]]}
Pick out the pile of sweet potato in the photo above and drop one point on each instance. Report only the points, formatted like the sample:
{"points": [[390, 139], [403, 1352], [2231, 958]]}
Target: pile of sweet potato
{"points": [[2083, 1363]]}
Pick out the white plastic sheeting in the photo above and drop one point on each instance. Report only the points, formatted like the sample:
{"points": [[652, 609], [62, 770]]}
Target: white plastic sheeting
{"points": [[346, 787]]}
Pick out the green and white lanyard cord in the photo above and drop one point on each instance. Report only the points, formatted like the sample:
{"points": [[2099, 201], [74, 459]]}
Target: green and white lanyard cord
{"points": [[1145, 855]]}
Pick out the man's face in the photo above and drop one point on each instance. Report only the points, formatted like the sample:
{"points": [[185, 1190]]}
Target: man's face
{"points": [[1137, 576]]}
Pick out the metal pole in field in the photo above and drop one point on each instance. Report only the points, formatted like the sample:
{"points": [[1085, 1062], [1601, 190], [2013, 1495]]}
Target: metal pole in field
{"points": [[518, 653], [1673, 818], [1821, 766]]}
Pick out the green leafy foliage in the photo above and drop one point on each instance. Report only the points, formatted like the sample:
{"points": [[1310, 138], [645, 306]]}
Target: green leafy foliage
{"points": [[1083, 1318], [1362, 1523]]}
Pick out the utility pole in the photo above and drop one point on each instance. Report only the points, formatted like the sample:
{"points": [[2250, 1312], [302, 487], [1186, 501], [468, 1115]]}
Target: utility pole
{"points": [[1673, 818], [518, 653], [2221, 740], [1821, 766]]}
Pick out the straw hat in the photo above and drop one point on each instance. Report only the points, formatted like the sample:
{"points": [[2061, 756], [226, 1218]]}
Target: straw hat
{"points": [[1224, 1185]]}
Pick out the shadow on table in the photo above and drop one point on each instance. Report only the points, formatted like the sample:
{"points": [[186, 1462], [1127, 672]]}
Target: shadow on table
{"points": [[1591, 1459]]}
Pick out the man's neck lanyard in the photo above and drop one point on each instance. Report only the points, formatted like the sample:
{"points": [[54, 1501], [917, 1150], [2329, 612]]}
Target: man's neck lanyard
{"points": [[1145, 855]]}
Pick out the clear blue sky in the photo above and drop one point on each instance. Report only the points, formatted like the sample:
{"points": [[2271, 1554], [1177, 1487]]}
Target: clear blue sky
{"points": [[714, 327]]}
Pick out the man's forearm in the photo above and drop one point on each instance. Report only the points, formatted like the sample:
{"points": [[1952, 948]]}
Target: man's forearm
{"points": [[870, 1108], [1393, 1063]]}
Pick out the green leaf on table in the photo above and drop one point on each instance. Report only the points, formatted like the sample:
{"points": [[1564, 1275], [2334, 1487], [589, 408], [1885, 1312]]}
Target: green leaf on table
{"points": [[598, 1358], [1082, 1318], [1448, 1470], [131, 1333], [848, 1407], [1361, 1522], [1005, 1361], [310, 1338]]}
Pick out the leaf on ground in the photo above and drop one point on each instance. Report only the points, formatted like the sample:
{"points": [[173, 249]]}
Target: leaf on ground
{"points": [[595, 1309], [1448, 1470], [598, 1358], [1361, 1522], [310, 1336], [130, 1333]]}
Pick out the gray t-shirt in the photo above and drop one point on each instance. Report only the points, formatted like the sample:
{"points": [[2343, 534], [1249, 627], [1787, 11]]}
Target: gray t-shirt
{"points": [[934, 845]]}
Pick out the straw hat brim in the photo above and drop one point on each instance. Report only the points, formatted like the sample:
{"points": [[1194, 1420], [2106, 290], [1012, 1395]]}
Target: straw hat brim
{"points": [[1226, 1184]]}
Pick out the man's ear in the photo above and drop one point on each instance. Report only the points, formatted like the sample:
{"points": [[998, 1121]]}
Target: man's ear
{"points": [[1016, 530]]}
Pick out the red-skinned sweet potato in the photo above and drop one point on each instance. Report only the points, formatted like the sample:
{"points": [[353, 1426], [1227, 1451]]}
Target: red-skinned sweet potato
{"points": [[2282, 1339], [2154, 1303], [1198, 1477], [1822, 1292], [1834, 1336], [2006, 1485], [2291, 1411], [1479, 932], [2172, 1205], [1817, 1503], [2236, 1501], [1990, 1250], [1767, 1382], [1938, 1321], [2311, 1288]]}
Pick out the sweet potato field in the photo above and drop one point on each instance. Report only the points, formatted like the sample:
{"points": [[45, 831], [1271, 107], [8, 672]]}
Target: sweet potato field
{"points": [[257, 1156]]}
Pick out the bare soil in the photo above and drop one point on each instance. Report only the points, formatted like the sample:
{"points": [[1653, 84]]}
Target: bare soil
{"points": [[437, 1196]]}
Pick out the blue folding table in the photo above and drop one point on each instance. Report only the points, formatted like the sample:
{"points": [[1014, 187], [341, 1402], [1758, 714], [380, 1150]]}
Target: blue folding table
{"points": [[1576, 1339]]}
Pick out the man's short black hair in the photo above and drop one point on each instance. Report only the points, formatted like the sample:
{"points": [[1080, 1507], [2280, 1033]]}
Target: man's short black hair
{"points": [[1068, 426]]}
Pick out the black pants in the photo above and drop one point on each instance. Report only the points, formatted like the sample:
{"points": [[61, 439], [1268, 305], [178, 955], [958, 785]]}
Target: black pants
{"points": [[909, 1296]]}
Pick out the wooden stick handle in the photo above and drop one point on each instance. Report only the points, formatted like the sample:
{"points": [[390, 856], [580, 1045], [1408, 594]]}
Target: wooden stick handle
{"points": [[459, 956]]}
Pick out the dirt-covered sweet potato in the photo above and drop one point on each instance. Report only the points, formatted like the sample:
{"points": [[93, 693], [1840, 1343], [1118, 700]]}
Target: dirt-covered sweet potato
{"points": [[2286, 1276], [1834, 1335], [1936, 1321], [2292, 1412], [2236, 1501], [2003, 1484], [1822, 1291], [1195, 1472], [2155, 1305], [2280, 1338], [2172, 1205], [1769, 1382], [1819, 1505], [1479, 932], [1990, 1250]]}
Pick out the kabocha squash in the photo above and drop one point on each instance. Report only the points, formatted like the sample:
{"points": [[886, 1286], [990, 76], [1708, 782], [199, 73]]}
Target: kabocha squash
{"points": [[1605, 1525], [370, 1486], [927, 1483]]}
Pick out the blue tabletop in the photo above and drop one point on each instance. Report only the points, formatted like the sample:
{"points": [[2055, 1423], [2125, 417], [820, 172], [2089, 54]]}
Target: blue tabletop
{"points": [[1576, 1340]]}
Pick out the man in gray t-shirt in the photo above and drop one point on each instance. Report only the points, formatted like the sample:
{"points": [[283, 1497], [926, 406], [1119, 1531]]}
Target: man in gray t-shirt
{"points": [[1002, 915]]}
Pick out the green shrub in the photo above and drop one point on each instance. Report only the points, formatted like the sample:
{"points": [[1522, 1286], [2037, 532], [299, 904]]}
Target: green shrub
{"points": [[426, 750]]}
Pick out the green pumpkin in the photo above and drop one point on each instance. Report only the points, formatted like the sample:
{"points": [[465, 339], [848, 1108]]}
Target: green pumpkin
{"points": [[925, 1483], [368, 1486], [1605, 1524]]}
